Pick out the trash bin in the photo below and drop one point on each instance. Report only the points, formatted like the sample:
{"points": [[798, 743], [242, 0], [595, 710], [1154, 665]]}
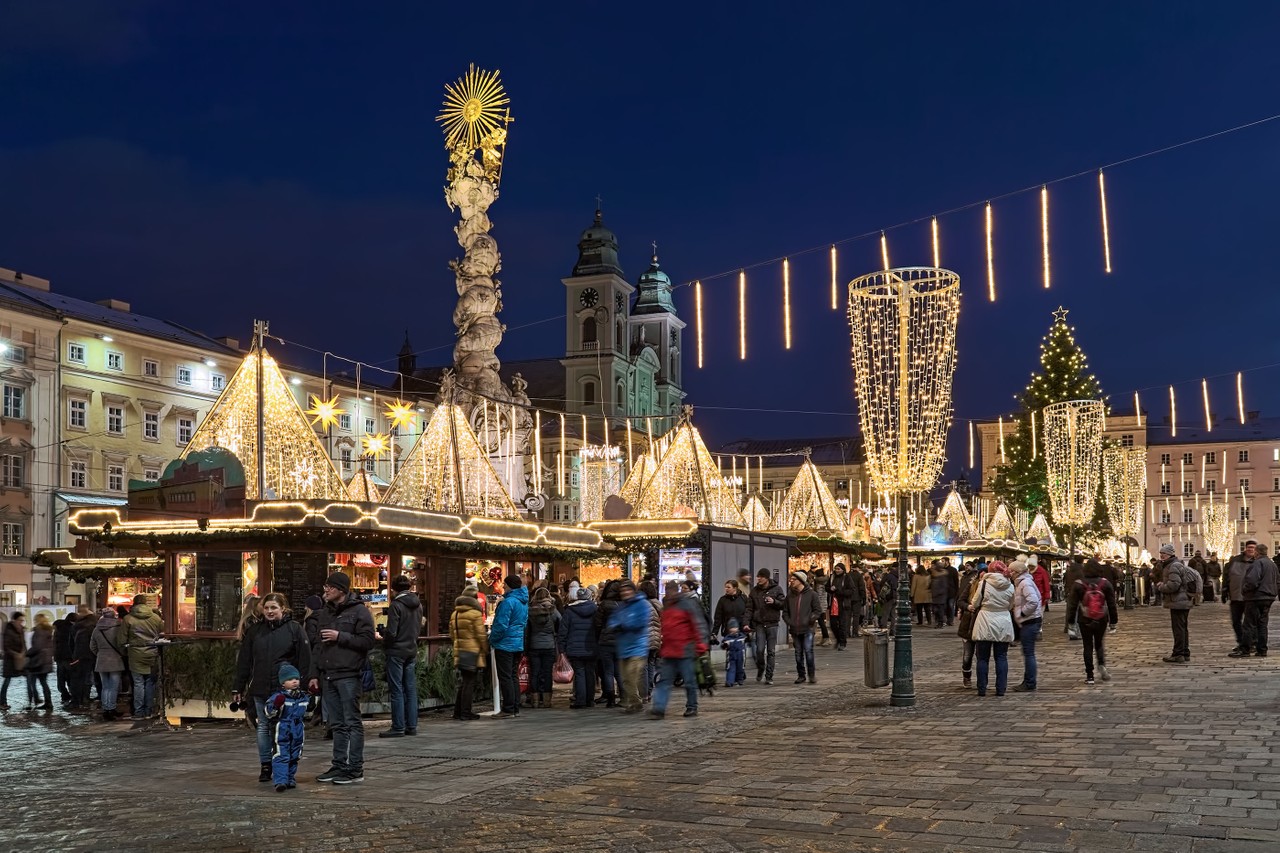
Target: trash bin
{"points": [[875, 658]]}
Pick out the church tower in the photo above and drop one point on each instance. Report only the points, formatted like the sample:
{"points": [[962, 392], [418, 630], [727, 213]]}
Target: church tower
{"points": [[656, 346]]}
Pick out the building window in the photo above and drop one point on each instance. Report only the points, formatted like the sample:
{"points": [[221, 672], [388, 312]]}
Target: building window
{"points": [[115, 361], [16, 353], [768, 486], [184, 375], [1188, 549], [368, 464], [11, 470], [344, 422], [1245, 515], [11, 540], [1164, 458], [75, 353], [1275, 512], [1188, 516], [1187, 459], [151, 475], [78, 414], [1211, 485], [150, 368], [15, 402], [1211, 458], [115, 478], [1164, 516], [151, 426], [589, 332], [79, 475], [115, 420], [555, 512], [1275, 484], [1242, 456], [217, 381], [186, 426], [1188, 486], [1244, 484], [345, 456], [1275, 454], [842, 485], [369, 426], [1126, 439], [1164, 488], [588, 394]]}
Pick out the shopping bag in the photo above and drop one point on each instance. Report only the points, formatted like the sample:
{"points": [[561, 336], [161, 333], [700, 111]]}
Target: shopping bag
{"points": [[563, 671], [523, 672]]}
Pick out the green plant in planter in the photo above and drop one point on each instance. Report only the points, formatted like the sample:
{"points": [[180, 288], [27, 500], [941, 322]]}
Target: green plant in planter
{"points": [[381, 691], [200, 670], [437, 676]]}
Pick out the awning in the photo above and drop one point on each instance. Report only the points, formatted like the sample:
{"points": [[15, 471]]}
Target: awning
{"points": [[76, 499]]}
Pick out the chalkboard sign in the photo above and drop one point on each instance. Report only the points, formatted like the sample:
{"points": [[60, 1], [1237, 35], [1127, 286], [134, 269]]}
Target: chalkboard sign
{"points": [[297, 575]]}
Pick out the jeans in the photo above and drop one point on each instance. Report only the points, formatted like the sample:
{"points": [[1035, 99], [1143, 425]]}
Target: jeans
{"points": [[265, 730], [110, 690], [652, 662], [822, 625], [610, 682], [966, 663], [840, 626], [939, 614], [1091, 636], [41, 679], [1255, 625], [1237, 623], [632, 674], [144, 696], [466, 692], [683, 667], [509, 680], [64, 670], [541, 664], [951, 610], [402, 684], [341, 698], [804, 653], [1181, 638], [1030, 632], [764, 640], [984, 650], [584, 680]]}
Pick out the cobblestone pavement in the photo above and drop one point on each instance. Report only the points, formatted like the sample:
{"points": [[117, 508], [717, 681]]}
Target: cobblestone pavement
{"points": [[1162, 758]]}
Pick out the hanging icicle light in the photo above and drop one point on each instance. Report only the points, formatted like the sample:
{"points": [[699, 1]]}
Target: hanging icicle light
{"points": [[1240, 395], [631, 459], [1208, 419], [1073, 457], [742, 315], [537, 451], [1044, 231], [1033, 435], [991, 259], [835, 297], [1003, 460], [970, 449], [697, 313], [786, 301], [1173, 413], [560, 460], [1106, 231], [884, 250], [1137, 407], [937, 256]]}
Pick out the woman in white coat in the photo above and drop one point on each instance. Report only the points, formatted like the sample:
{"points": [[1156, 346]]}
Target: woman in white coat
{"points": [[992, 597]]}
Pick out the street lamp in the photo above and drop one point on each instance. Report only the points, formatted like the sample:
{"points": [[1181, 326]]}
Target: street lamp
{"points": [[1073, 456], [903, 323]]}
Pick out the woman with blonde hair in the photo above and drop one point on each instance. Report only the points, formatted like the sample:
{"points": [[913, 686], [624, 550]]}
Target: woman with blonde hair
{"points": [[250, 614]]}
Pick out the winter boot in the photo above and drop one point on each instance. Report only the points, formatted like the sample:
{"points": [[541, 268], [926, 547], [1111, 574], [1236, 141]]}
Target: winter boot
{"points": [[265, 774]]}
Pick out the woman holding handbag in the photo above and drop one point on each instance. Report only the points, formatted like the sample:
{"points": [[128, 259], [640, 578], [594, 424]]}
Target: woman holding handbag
{"points": [[992, 599], [470, 651]]}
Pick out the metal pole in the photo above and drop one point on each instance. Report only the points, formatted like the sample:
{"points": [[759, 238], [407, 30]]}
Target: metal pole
{"points": [[904, 685]]}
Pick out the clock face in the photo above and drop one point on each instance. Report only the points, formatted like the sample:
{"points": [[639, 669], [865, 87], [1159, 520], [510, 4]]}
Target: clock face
{"points": [[619, 301], [589, 298]]}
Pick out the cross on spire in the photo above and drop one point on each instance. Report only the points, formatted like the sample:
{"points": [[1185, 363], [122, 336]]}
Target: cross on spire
{"points": [[655, 251]]}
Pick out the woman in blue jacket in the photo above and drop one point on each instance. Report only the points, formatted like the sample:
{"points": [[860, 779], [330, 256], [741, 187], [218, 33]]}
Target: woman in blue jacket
{"points": [[506, 638]]}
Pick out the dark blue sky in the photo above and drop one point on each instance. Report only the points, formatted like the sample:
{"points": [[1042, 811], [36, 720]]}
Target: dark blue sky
{"points": [[215, 162]]}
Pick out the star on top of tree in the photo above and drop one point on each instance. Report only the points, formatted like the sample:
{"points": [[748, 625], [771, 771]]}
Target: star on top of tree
{"points": [[1060, 316]]}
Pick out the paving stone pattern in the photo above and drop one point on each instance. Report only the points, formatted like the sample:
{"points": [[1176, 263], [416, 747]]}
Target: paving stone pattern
{"points": [[1177, 758]]}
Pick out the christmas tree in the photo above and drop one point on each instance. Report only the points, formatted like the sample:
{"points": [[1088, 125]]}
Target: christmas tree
{"points": [[1022, 479]]}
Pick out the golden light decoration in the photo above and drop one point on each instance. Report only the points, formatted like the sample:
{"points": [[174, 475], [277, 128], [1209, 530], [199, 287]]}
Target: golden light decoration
{"points": [[295, 465], [1040, 530], [1219, 528], [1073, 455], [1106, 230], [697, 303], [1124, 480], [991, 258], [956, 517], [884, 251], [638, 477], [601, 476], [756, 514], [1240, 395], [375, 445], [937, 255], [400, 413], [742, 315], [835, 287], [970, 447], [1173, 413], [361, 487], [808, 504], [686, 479], [324, 412], [1000, 422], [474, 106], [903, 326], [1002, 525], [1137, 407], [1208, 418], [1044, 230], [786, 301], [1034, 454], [560, 461]]}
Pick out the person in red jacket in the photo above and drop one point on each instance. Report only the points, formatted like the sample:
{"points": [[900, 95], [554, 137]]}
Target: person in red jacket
{"points": [[1040, 575], [684, 639]]}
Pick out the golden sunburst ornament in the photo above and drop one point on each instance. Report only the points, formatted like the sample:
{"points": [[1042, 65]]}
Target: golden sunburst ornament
{"points": [[400, 414], [376, 445], [324, 411], [474, 106]]}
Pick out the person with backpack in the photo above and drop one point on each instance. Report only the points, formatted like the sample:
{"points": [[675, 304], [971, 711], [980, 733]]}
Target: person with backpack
{"points": [[1093, 598], [1177, 586]]}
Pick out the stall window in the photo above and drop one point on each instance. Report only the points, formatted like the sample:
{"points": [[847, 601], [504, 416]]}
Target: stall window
{"points": [[210, 585]]}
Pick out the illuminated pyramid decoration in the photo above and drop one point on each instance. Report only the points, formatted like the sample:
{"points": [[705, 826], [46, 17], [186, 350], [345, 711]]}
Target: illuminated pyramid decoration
{"points": [[296, 464], [859, 530], [809, 504], [1001, 525], [641, 470], [1041, 531], [956, 517], [362, 488], [755, 513], [687, 483], [877, 529], [447, 471]]}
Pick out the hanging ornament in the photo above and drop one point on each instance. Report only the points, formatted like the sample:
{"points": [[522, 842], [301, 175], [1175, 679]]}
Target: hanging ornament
{"points": [[400, 413], [991, 259], [324, 412], [375, 445], [1044, 230], [1106, 231]]}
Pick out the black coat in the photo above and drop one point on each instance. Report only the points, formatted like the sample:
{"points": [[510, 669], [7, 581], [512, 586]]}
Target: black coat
{"points": [[345, 657], [265, 648], [84, 633], [15, 646], [404, 624], [729, 607], [64, 638], [577, 630]]}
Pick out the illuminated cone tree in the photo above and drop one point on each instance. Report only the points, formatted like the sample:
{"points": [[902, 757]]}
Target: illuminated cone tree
{"points": [[809, 504], [687, 480], [756, 514]]}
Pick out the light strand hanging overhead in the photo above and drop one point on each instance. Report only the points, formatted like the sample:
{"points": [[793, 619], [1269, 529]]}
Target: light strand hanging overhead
{"points": [[1137, 407], [1106, 230], [970, 446], [1208, 418], [835, 287], [1173, 413], [991, 260], [1003, 460], [1034, 455], [697, 300], [937, 255], [1044, 231], [1240, 395], [786, 301], [742, 315], [884, 251]]}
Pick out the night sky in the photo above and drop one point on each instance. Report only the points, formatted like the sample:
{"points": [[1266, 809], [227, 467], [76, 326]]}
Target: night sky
{"points": [[212, 163]]}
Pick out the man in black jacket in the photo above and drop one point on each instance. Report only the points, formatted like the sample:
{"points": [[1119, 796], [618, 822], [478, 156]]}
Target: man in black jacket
{"points": [[64, 647], [345, 638], [842, 590], [801, 612], [400, 645], [764, 611]]}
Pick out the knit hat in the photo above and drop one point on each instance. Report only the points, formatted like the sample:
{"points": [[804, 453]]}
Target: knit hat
{"points": [[287, 672], [763, 573], [1017, 567], [339, 580], [996, 566], [584, 594], [800, 576], [1166, 548], [733, 623], [401, 583], [314, 602]]}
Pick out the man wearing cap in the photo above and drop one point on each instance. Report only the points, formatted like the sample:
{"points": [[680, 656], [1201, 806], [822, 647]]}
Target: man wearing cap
{"points": [[801, 612], [1252, 587], [764, 611], [1174, 580], [345, 637], [400, 645]]}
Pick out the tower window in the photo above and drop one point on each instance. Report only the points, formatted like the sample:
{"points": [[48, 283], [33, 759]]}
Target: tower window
{"points": [[589, 331], [589, 391]]}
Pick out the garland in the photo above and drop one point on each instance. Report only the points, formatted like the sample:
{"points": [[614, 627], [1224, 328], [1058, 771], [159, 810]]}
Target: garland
{"points": [[869, 550]]}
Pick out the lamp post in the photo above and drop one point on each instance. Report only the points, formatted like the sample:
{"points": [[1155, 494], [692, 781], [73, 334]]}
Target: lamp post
{"points": [[903, 324], [1073, 457]]}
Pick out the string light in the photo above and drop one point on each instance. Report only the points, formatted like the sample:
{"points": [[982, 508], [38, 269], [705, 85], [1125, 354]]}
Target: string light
{"points": [[697, 303], [756, 515], [1208, 419], [560, 461], [957, 519], [786, 300], [1003, 460], [537, 452], [808, 504], [1137, 407], [1106, 231], [1034, 455], [685, 479], [937, 255], [1073, 456], [991, 259], [970, 450], [834, 286], [630, 456], [742, 315], [1240, 395], [884, 250], [1173, 413], [1044, 230]]}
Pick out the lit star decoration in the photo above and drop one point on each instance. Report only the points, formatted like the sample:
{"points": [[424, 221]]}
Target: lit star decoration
{"points": [[375, 445], [400, 413], [473, 107], [324, 412]]}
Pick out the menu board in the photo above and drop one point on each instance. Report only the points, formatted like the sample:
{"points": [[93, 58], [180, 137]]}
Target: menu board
{"points": [[297, 575]]}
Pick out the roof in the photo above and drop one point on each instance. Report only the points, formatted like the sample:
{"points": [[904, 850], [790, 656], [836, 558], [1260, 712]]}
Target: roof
{"points": [[40, 301], [1228, 431], [830, 450]]}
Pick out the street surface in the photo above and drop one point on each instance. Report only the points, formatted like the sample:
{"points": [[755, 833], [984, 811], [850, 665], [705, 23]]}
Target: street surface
{"points": [[1177, 759]]}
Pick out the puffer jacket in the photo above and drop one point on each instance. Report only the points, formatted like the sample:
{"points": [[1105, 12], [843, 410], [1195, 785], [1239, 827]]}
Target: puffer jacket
{"points": [[632, 620], [404, 624], [543, 625], [141, 627], [40, 656], [1174, 580], [1027, 606], [993, 624], [729, 607], [802, 611], [606, 640], [105, 644], [577, 629], [684, 630], [265, 648], [655, 625], [506, 634], [920, 587], [15, 647], [1259, 581], [466, 629], [344, 657]]}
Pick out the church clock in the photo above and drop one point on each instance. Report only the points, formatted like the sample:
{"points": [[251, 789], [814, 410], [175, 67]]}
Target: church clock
{"points": [[589, 297]]}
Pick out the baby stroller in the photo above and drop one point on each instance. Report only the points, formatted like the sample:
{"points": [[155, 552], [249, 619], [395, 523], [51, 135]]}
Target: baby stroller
{"points": [[706, 675]]}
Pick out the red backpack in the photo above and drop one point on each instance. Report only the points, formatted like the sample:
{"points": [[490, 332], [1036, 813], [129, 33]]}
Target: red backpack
{"points": [[1093, 604]]}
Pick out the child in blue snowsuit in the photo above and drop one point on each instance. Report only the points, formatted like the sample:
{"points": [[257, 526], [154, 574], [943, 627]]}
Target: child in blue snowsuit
{"points": [[288, 707], [735, 646]]}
